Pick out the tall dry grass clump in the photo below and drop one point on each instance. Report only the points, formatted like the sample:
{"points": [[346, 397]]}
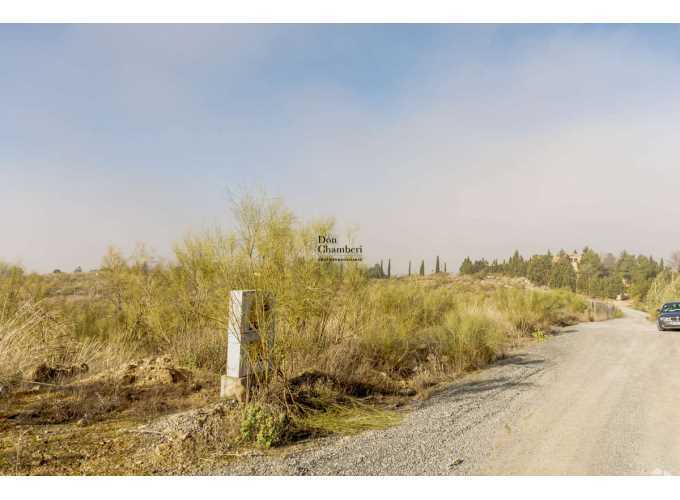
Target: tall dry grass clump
{"points": [[30, 337], [35, 332]]}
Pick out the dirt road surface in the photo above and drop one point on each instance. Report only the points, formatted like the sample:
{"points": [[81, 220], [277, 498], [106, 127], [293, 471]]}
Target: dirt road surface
{"points": [[598, 398]]}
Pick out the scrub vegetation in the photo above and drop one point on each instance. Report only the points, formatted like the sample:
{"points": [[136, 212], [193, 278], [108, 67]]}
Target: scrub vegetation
{"points": [[141, 338]]}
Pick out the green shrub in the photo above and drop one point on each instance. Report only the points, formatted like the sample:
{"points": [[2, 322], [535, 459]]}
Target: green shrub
{"points": [[263, 425]]}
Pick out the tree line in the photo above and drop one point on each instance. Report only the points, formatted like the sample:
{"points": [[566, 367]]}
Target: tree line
{"points": [[595, 274], [378, 269]]}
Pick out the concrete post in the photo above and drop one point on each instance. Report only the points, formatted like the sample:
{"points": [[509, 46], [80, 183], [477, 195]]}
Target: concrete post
{"points": [[246, 327]]}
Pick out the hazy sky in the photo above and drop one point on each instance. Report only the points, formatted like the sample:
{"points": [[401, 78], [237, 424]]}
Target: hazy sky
{"points": [[449, 140]]}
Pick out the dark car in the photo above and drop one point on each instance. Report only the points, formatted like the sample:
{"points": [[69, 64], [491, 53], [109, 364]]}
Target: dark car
{"points": [[669, 316]]}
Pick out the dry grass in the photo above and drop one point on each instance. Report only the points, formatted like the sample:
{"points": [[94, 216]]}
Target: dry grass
{"points": [[33, 337], [349, 419], [346, 346]]}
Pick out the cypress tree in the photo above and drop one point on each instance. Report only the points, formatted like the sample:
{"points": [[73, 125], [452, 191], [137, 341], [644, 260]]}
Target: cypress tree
{"points": [[444, 266], [409, 268], [389, 268], [422, 268], [436, 266], [382, 269]]}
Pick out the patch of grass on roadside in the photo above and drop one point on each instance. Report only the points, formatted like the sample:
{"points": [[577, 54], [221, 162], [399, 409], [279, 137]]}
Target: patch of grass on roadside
{"points": [[350, 419]]}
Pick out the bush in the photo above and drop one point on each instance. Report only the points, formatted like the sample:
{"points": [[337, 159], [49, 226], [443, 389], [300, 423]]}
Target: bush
{"points": [[476, 337], [263, 425]]}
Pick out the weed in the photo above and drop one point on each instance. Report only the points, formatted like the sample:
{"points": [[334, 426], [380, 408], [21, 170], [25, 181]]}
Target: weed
{"points": [[264, 425], [349, 419], [538, 335]]}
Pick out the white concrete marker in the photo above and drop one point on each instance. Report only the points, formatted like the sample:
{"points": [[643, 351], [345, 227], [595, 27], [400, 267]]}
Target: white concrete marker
{"points": [[242, 331]]}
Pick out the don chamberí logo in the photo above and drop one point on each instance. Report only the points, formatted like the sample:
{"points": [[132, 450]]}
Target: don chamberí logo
{"points": [[329, 250]]}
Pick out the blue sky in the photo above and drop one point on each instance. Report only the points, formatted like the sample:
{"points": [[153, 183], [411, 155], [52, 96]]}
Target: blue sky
{"points": [[432, 139]]}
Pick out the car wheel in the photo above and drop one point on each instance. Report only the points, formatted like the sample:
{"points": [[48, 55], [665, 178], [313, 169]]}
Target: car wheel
{"points": [[659, 327]]}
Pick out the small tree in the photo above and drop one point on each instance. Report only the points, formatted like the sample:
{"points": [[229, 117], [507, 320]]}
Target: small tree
{"points": [[444, 266], [422, 268], [562, 275], [375, 272], [539, 269], [409, 268], [466, 267], [517, 265]]}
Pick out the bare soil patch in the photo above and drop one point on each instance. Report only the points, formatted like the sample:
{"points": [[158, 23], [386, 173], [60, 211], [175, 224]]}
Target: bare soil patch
{"points": [[80, 423]]}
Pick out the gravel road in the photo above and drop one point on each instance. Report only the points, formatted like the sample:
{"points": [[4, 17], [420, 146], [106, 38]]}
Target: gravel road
{"points": [[598, 398]]}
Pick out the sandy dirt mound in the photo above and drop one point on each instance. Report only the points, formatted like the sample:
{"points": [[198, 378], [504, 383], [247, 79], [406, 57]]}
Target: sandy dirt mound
{"points": [[202, 423], [153, 371], [173, 440]]}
